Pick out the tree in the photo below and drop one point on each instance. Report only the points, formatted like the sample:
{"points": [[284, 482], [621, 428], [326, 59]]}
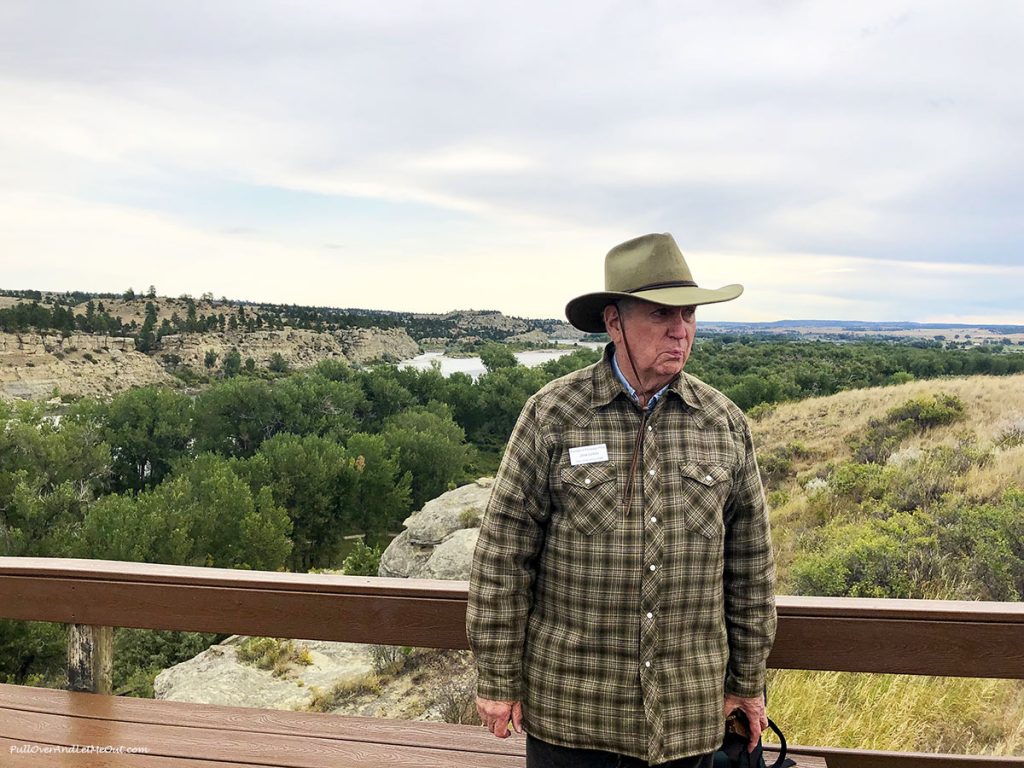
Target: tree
{"points": [[210, 359], [232, 364], [382, 494], [311, 404], [234, 416], [204, 515], [495, 356], [430, 446], [147, 336], [314, 479], [277, 363], [148, 429]]}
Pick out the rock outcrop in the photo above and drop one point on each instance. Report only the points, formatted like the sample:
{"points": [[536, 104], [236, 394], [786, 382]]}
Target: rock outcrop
{"points": [[438, 541], [299, 348], [38, 366], [216, 676]]}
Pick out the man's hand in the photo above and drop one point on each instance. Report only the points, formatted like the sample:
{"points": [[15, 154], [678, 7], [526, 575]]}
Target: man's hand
{"points": [[496, 715], [753, 709]]}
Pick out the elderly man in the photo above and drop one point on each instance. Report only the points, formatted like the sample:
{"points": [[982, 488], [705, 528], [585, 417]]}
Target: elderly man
{"points": [[622, 593]]}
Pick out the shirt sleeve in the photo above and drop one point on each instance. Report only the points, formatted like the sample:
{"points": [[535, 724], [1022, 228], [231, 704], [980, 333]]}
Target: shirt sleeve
{"points": [[504, 562], [749, 576]]}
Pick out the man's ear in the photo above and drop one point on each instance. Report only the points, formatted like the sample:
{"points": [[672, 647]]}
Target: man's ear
{"points": [[612, 323]]}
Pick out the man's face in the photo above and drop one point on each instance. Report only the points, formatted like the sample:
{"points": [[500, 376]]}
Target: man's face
{"points": [[659, 338]]}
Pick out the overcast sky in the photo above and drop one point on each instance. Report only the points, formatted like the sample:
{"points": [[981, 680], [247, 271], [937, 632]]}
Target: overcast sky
{"points": [[841, 160]]}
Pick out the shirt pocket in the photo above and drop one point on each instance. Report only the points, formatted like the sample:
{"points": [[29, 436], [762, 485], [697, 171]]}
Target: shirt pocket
{"points": [[705, 488], [591, 493]]}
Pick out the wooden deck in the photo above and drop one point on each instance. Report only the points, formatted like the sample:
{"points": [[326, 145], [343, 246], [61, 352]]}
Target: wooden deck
{"points": [[916, 637]]}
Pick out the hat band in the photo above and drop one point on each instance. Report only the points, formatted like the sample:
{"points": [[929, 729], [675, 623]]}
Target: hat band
{"points": [[670, 284]]}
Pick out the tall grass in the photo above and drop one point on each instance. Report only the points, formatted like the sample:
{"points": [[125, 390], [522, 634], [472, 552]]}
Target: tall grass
{"points": [[898, 712]]}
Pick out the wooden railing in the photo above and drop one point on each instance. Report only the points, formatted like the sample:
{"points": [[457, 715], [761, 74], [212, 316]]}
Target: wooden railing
{"points": [[925, 637]]}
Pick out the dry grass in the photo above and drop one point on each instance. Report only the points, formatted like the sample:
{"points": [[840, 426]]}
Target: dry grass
{"points": [[823, 424], [343, 692], [899, 712], [893, 712]]}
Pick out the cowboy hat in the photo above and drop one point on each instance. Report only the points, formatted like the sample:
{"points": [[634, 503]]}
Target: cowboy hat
{"points": [[651, 268]]}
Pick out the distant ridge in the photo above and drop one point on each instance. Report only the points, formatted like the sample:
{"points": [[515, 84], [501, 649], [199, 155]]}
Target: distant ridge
{"points": [[864, 325]]}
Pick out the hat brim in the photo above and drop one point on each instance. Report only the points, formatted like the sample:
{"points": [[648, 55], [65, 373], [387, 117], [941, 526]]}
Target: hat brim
{"points": [[586, 312]]}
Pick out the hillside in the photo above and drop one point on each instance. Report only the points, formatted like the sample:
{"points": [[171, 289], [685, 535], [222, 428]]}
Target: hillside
{"points": [[938, 513]]}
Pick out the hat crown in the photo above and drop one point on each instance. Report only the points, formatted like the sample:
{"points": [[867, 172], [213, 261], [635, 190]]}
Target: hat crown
{"points": [[646, 262]]}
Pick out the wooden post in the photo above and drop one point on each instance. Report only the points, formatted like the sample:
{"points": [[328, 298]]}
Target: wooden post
{"points": [[90, 658]]}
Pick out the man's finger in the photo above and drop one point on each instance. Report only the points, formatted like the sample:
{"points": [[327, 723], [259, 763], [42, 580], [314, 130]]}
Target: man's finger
{"points": [[517, 717]]}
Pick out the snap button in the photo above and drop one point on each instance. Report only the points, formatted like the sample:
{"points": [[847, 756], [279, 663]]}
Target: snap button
{"points": [[654, 567], [651, 473], [707, 479], [587, 481]]}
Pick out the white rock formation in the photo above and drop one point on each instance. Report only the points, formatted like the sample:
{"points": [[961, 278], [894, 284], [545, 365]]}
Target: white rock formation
{"points": [[438, 541]]}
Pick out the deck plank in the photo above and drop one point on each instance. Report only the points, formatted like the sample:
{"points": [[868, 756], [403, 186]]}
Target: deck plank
{"points": [[247, 747], [124, 709]]}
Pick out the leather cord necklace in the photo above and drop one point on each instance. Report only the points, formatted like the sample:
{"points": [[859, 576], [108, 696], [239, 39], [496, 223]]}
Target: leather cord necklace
{"points": [[642, 399]]}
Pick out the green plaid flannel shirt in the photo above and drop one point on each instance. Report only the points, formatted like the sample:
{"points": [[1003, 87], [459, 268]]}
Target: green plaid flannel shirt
{"points": [[621, 628]]}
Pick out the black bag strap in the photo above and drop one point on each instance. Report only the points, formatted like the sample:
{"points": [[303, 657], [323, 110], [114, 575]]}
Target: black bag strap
{"points": [[782, 761]]}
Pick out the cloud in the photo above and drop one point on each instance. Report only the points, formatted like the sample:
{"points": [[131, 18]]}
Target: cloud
{"points": [[474, 147]]}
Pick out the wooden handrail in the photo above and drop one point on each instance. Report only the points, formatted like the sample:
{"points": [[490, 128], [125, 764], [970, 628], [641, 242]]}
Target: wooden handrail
{"points": [[928, 637]]}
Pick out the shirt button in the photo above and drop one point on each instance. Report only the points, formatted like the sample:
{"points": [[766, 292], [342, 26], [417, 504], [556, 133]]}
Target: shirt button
{"points": [[647, 664], [654, 519], [708, 479], [650, 429], [654, 567], [651, 473], [587, 481], [650, 615]]}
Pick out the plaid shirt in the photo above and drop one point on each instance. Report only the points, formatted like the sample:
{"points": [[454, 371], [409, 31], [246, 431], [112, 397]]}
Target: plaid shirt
{"points": [[621, 628]]}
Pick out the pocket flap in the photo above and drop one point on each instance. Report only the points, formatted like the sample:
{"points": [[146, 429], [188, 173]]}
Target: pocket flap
{"points": [[588, 475], [706, 474]]}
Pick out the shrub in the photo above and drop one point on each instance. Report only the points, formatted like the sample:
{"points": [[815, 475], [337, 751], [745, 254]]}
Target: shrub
{"points": [[362, 560], [277, 363], [884, 435], [325, 701], [1010, 432], [271, 653], [926, 413], [388, 660]]}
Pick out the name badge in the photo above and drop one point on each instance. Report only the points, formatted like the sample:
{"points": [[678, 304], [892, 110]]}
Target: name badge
{"points": [[588, 454]]}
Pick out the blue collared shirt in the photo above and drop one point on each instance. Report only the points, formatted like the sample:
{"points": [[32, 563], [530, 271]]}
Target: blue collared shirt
{"points": [[631, 391]]}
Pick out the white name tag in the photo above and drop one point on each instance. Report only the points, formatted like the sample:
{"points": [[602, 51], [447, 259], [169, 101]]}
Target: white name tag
{"points": [[588, 454]]}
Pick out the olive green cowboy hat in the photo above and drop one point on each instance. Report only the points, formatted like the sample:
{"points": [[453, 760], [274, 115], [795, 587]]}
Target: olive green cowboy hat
{"points": [[651, 268]]}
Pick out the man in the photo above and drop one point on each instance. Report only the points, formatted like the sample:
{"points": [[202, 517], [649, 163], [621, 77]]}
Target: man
{"points": [[621, 598]]}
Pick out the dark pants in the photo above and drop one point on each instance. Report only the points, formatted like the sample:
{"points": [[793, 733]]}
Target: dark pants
{"points": [[541, 754]]}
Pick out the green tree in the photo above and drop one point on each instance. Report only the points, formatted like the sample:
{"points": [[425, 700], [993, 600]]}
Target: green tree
{"points": [[232, 364], [495, 356], [314, 479], [148, 429], [382, 492], [431, 447], [205, 515], [277, 363], [310, 404], [233, 417]]}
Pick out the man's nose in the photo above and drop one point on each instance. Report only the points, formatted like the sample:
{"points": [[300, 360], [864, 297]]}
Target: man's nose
{"points": [[677, 328]]}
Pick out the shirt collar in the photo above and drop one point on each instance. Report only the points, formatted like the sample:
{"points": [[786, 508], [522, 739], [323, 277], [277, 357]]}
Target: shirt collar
{"points": [[631, 391], [609, 383]]}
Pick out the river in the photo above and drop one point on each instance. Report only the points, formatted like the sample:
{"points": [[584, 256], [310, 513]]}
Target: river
{"points": [[474, 366]]}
